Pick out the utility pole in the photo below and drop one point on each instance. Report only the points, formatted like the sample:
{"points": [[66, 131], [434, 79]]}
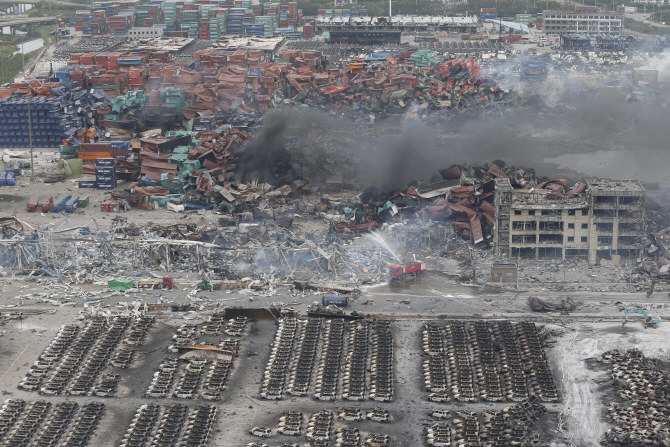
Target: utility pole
{"points": [[390, 14]]}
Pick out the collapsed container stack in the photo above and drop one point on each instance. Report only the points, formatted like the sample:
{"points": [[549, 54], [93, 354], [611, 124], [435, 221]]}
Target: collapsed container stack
{"points": [[108, 61], [112, 84], [421, 58], [173, 101]]}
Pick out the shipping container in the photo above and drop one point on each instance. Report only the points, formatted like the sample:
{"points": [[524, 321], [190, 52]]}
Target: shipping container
{"points": [[47, 204]]}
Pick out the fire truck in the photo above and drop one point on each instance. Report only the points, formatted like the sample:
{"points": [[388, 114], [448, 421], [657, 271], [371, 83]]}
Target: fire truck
{"points": [[400, 271]]}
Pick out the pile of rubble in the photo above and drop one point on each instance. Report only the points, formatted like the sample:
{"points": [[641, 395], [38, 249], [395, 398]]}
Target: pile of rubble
{"points": [[233, 85]]}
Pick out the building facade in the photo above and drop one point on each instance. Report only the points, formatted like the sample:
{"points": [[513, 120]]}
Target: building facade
{"points": [[452, 25], [605, 222], [145, 32], [587, 21]]}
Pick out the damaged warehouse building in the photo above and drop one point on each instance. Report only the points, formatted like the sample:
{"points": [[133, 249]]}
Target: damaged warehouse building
{"points": [[602, 220]]}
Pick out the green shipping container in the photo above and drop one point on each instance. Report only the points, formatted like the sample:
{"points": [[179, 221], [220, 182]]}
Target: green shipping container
{"points": [[82, 202], [108, 86], [68, 150], [120, 285]]}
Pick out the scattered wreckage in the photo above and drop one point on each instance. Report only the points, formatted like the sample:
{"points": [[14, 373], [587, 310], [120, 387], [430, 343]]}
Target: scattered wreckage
{"points": [[563, 305]]}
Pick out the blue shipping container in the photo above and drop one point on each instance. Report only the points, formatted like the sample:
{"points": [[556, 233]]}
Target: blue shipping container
{"points": [[59, 204], [108, 162], [87, 183]]}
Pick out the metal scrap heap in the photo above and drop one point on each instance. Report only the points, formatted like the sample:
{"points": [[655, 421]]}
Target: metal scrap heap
{"points": [[381, 88]]}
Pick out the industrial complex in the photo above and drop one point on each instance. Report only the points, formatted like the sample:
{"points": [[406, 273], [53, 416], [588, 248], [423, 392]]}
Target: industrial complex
{"points": [[234, 223]]}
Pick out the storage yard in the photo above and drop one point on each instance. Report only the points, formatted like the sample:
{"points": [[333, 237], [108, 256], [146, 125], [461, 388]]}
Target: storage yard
{"points": [[225, 231]]}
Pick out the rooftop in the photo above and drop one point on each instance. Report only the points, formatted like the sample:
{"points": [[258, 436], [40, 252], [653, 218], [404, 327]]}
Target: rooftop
{"points": [[248, 43], [171, 44], [600, 11], [399, 20], [606, 186]]}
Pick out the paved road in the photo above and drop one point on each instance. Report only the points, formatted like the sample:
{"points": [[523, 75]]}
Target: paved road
{"points": [[641, 17], [58, 2], [12, 21]]}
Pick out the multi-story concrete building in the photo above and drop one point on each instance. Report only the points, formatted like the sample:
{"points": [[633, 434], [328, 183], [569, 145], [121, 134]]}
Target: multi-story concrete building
{"points": [[605, 222], [144, 32], [583, 20], [452, 25]]}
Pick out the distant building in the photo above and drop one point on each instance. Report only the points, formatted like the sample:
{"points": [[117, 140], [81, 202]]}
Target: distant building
{"points": [[145, 32], [504, 273], [452, 25], [603, 223], [583, 20]]}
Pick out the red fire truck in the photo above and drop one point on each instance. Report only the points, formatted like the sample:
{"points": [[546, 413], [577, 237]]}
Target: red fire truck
{"points": [[400, 271]]}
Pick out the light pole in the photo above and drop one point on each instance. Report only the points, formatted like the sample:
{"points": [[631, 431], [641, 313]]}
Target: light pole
{"points": [[30, 139]]}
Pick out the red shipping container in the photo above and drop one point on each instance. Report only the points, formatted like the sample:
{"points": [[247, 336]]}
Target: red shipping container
{"points": [[47, 204], [32, 204], [107, 206]]}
